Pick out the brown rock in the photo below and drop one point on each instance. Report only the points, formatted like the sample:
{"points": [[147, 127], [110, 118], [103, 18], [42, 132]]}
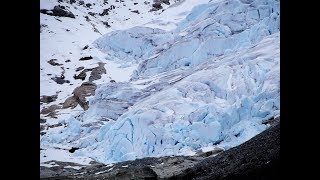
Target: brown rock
{"points": [[97, 72], [50, 109], [79, 96], [86, 89], [70, 102], [82, 75], [48, 99]]}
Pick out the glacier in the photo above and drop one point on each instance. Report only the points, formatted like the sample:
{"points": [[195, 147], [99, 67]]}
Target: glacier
{"points": [[210, 82], [210, 30]]}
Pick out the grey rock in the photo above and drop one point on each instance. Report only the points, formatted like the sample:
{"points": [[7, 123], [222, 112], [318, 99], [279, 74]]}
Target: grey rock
{"points": [[42, 127], [60, 80], [79, 96], [70, 102], [85, 47], [42, 121], [136, 11], [165, 2], [91, 13], [97, 72], [48, 99], [79, 68], [156, 7], [50, 109], [85, 58], [82, 75], [58, 11], [54, 63]]}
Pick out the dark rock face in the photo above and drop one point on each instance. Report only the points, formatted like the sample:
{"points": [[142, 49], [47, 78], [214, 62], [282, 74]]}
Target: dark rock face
{"points": [[157, 4], [48, 99], [60, 80], [53, 62], [50, 173], [85, 47], [105, 12], [91, 13], [42, 133], [42, 128], [79, 68], [137, 173], [165, 2], [85, 58], [58, 11], [136, 11], [106, 24], [95, 73], [73, 149], [87, 19], [42, 121], [55, 125], [156, 7], [82, 75]]}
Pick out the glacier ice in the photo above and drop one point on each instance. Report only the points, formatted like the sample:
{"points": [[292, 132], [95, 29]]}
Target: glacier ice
{"points": [[211, 81], [210, 30]]}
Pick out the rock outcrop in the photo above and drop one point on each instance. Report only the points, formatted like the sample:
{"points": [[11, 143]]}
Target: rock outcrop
{"points": [[58, 11]]}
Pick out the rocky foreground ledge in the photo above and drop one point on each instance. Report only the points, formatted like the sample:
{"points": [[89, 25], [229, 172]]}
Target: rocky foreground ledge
{"points": [[258, 158]]}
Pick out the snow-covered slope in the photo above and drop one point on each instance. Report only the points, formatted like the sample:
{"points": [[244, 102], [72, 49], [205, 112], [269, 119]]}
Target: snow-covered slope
{"points": [[64, 40], [202, 78]]}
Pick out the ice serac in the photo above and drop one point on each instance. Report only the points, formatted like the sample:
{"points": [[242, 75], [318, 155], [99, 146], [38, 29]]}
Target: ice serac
{"points": [[111, 101], [133, 44], [220, 102], [210, 30]]}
